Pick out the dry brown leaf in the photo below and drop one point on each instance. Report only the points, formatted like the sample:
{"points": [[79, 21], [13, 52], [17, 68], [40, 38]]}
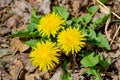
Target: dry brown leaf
{"points": [[114, 55], [12, 21], [47, 76], [20, 7], [17, 45], [57, 74], [4, 52], [4, 3], [45, 6], [4, 31], [22, 27], [17, 69], [4, 75], [32, 76], [26, 61], [118, 65], [76, 7], [77, 75]]}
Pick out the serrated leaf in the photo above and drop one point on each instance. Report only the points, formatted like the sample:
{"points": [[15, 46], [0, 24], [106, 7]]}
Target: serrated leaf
{"points": [[34, 34], [93, 9], [85, 32], [35, 18], [93, 71], [62, 11], [99, 21], [87, 18], [32, 26], [31, 42], [79, 19], [90, 60], [34, 21], [105, 63], [91, 33], [101, 41], [69, 22], [23, 33]]}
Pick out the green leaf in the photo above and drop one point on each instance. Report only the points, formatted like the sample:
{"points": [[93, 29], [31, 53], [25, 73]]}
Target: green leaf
{"points": [[87, 18], [104, 1], [31, 30], [32, 26], [67, 76], [90, 60], [31, 42], [105, 63], [85, 32], [69, 22], [92, 10], [34, 21], [93, 71], [23, 33], [91, 33], [79, 19], [62, 11], [64, 65], [101, 41], [99, 21], [35, 18], [34, 34]]}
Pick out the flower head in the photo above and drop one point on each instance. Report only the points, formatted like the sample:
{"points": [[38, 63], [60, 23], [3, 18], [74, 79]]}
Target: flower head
{"points": [[71, 40], [50, 24], [45, 56]]}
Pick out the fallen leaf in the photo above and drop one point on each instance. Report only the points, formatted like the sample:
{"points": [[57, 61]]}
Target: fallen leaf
{"points": [[77, 74], [26, 61], [4, 75], [12, 21], [21, 28], [32, 76], [17, 45], [57, 74], [47, 76], [20, 7], [4, 51], [45, 6], [16, 70]]}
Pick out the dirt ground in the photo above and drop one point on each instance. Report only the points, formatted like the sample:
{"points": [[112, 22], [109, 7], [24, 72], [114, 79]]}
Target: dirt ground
{"points": [[15, 15]]}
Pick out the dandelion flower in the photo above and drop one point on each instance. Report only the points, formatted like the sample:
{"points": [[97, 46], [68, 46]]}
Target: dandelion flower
{"points": [[50, 24], [45, 56], [71, 40]]}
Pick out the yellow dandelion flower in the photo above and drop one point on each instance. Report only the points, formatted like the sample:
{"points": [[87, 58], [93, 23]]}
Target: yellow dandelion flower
{"points": [[71, 40], [50, 24], [45, 56]]}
